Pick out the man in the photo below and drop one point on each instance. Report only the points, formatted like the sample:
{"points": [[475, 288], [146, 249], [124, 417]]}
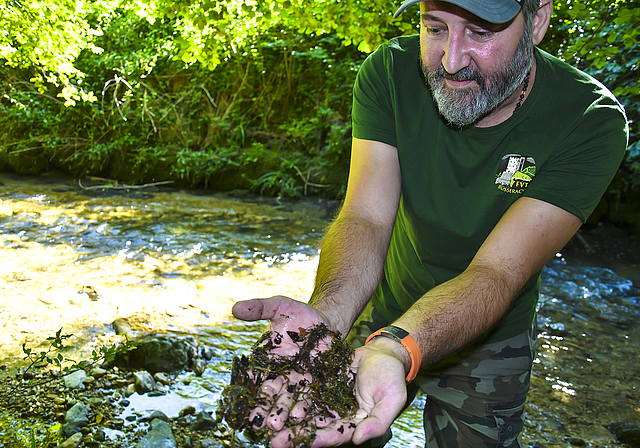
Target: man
{"points": [[475, 158]]}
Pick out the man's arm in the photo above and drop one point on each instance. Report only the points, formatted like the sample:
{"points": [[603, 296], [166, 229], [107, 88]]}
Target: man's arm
{"points": [[457, 312], [356, 244]]}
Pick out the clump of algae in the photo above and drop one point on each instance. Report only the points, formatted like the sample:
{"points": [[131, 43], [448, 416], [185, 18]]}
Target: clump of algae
{"points": [[322, 354]]}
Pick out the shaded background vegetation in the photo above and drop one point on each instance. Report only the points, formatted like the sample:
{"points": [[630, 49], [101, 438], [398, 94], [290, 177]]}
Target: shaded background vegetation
{"points": [[229, 94]]}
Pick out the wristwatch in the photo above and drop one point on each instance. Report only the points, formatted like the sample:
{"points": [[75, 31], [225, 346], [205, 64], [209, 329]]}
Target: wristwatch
{"points": [[403, 337]]}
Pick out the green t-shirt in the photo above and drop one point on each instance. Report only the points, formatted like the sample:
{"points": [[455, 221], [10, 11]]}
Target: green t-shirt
{"points": [[563, 147]]}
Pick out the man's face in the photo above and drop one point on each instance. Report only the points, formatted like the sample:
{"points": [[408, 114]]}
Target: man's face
{"points": [[470, 65]]}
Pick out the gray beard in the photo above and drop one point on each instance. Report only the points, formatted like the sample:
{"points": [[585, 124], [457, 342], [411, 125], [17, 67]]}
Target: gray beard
{"points": [[463, 108]]}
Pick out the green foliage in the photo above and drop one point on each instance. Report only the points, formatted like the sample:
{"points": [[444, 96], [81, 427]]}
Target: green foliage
{"points": [[601, 38], [47, 37], [54, 354], [233, 94]]}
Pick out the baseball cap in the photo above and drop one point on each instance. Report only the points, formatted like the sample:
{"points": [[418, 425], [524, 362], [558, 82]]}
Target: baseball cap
{"points": [[494, 11]]}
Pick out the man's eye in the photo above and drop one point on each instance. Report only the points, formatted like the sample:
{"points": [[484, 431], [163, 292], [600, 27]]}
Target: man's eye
{"points": [[482, 33], [433, 30]]}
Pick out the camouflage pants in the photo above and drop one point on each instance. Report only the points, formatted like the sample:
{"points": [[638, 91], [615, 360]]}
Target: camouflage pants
{"points": [[475, 398]]}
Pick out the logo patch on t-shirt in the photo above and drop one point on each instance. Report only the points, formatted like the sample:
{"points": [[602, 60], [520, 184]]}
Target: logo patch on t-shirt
{"points": [[515, 172]]}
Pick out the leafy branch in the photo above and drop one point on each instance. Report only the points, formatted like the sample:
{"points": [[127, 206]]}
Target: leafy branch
{"points": [[53, 354]]}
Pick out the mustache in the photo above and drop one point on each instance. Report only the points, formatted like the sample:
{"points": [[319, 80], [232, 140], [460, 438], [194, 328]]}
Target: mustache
{"points": [[466, 74]]}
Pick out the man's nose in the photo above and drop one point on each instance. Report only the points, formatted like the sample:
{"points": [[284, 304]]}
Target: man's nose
{"points": [[456, 55]]}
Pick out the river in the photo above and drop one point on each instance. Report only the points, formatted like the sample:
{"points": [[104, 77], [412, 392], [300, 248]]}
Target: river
{"points": [[79, 257]]}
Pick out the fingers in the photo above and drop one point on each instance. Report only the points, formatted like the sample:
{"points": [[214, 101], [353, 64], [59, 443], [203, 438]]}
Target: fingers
{"points": [[321, 432], [282, 439], [299, 385], [369, 428], [283, 312], [259, 416], [276, 402], [280, 411], [258, 309], [337, 432]]}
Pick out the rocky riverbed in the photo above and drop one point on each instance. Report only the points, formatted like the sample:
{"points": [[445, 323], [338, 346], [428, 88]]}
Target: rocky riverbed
{"points": [[92, 407]]}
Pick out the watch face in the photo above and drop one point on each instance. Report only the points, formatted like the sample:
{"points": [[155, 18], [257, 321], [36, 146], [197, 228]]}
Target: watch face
{"points": [[395, 332]]}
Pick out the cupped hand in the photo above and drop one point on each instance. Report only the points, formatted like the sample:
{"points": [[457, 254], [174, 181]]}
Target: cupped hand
{"points": [[380, 386], [381, 394], [282, 398]]}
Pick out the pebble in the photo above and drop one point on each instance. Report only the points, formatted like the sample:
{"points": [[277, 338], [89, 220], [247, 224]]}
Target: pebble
{"points": [[211, 443], [77, 418], [574, 441], [160, 435], [97, 372], [203, 422], [207, 353], [160, 415], [130, 390], [74, 380], [90, 412], [72, 441], [187, 410], [157, 393], [99, 435], [144, 381], [199, 366], [161, 378]]}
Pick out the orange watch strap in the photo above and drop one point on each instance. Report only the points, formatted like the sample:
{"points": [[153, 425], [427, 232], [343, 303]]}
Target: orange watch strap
{"points": [[407, 341]]}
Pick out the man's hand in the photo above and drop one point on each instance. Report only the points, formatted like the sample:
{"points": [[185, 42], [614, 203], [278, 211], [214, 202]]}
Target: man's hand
{"points": [[282, 399], [381, 394], [380, 382]]}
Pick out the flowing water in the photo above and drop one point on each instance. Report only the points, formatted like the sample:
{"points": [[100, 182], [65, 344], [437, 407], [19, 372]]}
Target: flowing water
{"points": [[79, 258]]}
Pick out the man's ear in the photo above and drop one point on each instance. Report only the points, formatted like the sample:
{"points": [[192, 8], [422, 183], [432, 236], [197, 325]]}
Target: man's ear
{"points": [[541, 20]]}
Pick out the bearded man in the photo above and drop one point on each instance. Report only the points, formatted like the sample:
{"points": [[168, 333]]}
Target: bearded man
{"points": [[475, 158]]}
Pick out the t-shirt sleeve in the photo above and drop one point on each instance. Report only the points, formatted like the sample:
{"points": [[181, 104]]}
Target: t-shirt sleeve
{"points": [[372, 114], [578, 174]]}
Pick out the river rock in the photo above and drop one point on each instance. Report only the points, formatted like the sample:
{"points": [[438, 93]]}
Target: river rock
{"points": [[130, 390], [198, 367], [160, 354], [160, 436], [97, 372], [144, 381], [160, 415], [628, 433], [74, 380], [206, 353], [209, 443], [203, 422], [72, 442], [99, 435], [187, 410], [77, 418], [161, 378]]}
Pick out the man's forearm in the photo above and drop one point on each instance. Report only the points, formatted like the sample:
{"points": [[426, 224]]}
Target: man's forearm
{"points": [[457, 312], [350, 268]]}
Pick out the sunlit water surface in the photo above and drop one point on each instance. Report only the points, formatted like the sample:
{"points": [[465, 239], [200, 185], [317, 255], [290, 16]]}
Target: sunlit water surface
{"points": [[175, 261]]}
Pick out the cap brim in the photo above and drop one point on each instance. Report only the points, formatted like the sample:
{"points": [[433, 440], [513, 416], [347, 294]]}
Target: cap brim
{"points": [[497, 11]]}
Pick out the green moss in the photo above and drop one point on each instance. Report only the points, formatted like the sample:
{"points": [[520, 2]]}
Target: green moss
{"points": [[331, 392]]}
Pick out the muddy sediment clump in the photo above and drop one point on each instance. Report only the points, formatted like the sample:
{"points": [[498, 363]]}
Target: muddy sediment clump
{"points": [[330, 393]]}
